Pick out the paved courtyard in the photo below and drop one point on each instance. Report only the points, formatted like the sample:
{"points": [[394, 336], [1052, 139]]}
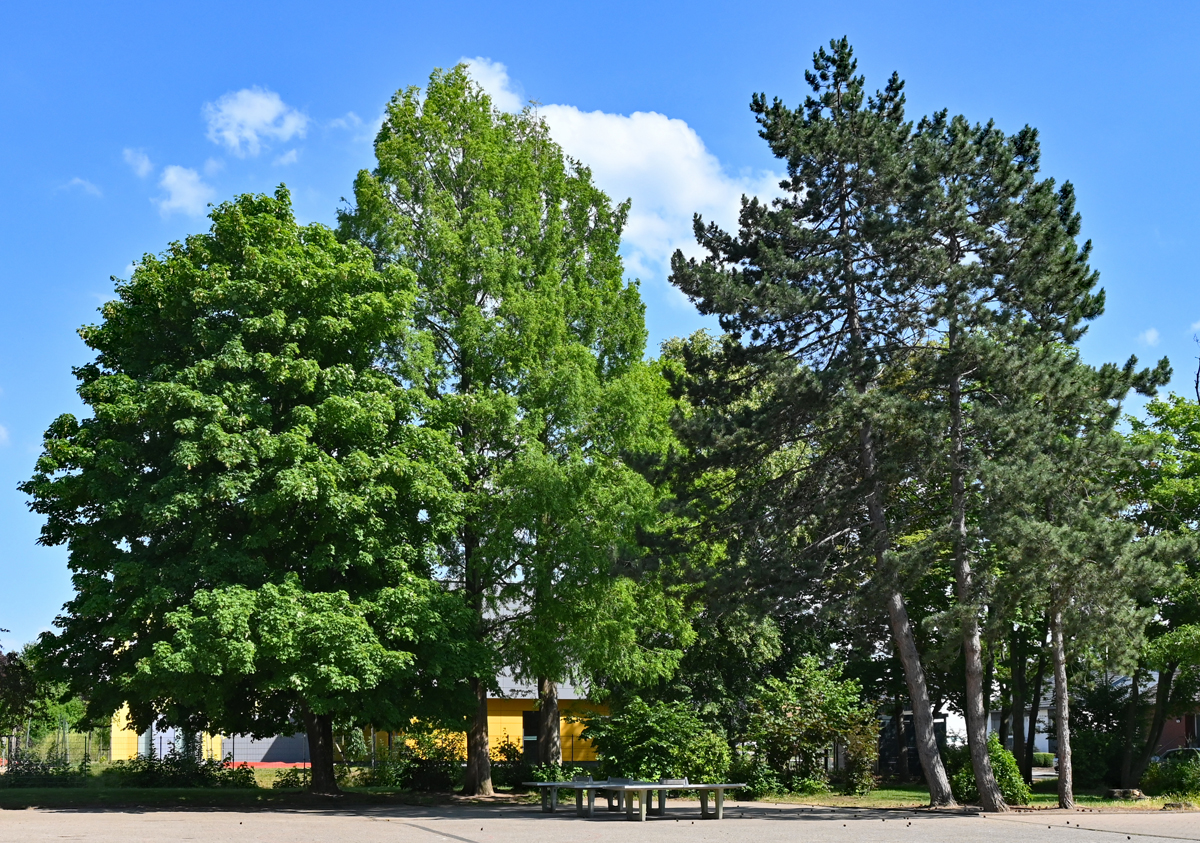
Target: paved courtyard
{"points": [[749, 822]]}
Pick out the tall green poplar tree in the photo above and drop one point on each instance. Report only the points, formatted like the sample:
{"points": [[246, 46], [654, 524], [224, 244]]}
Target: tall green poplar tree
{"points": [[527, 327], [811, 280], [250, 508]]}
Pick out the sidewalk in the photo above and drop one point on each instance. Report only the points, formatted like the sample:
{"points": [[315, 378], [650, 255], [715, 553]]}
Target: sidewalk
{"points": [[749, 822]]}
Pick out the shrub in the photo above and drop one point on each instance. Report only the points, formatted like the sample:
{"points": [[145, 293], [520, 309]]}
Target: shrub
{"points": [[437, 760], [1043, 759], [760, 779], [556, 773], [292, 777], [1095, 758], [1173, 777], [657, 740], [794, 722], [393, 770], [509, 767], [176, 769], [26, 769], [1004, 767]]}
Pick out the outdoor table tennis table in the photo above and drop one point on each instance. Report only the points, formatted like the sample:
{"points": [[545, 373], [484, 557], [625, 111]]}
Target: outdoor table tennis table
{"points": [[624, 789]]}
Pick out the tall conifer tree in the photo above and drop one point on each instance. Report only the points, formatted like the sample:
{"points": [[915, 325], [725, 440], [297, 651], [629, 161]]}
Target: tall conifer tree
{"points": [[992, 251], [810, 280]]}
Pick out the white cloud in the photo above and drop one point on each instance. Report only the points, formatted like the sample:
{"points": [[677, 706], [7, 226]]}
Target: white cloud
{"points": [[1196, 326], [138, 161], [213, 166], [84, 185], [1149, 336], [3, 435], [289, 157], [350, 121], [492, 76], [663, 166], [243, 120], [186, 191], [658, 162]]}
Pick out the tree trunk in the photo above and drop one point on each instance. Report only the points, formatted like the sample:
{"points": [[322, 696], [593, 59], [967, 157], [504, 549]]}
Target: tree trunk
{"points": [[940, 794], [478, 781], [1130, 731], [906, 645], [990, 798], [1035, 704], [1162, 698], [549, 735], [319, 728], [478, 778], [901, 742], [1016, 655], [1062, 712], [1005, 719]]}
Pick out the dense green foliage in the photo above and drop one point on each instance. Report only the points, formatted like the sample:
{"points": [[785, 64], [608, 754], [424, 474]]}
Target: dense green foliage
{"points": [[177, 769], [653, 740], [1008, 775], [795, 721], [331, 479], [249, 510], [527, 355], [1173, 777]]}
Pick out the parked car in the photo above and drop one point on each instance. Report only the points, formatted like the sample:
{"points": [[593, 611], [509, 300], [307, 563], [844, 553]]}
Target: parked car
{"points": [[1181, 753]]}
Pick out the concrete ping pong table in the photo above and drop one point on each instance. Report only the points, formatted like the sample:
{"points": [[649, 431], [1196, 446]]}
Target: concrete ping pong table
{"points": [[623, 791]]}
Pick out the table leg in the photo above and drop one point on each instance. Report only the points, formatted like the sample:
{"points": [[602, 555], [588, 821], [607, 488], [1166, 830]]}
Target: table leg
{"points": [[578, 802], [704, 804], [720, 803], [553, 799], [642, 795], [628, 797], [591, 808], [546, 800], [662, 802]]}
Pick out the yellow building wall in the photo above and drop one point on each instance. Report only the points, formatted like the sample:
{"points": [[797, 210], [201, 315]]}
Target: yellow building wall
{"points": [[506, 722], [124, 736], [125, 739]]}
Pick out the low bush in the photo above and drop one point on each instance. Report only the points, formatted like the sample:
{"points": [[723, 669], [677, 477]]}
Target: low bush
{"points": [[556, 773], [1173, 777], [509, 766], [1095, 758], [292, 777], [795, 721], [1043, 759], [657, 740], [177, 769], [1004, 767], [760, 779], [26, 769]]}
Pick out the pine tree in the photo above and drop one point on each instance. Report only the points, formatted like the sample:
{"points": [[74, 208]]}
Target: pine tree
{"points": [[1058, 495], [991, 251], [808, 292]]}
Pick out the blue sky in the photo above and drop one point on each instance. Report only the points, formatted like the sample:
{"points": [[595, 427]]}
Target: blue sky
{"points": [[120, 121]]}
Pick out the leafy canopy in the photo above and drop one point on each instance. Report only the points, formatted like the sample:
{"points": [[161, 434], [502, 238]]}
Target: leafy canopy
{"points": [[249, 507]]}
